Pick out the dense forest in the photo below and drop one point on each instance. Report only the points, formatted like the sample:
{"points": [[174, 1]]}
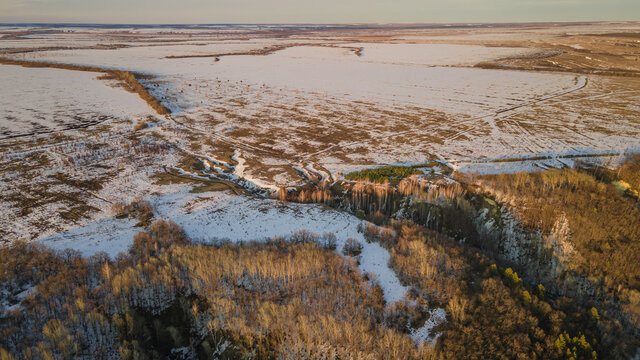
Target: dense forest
{"points": [[287, 299], [383, 173], [593, 223], [290, 299]]}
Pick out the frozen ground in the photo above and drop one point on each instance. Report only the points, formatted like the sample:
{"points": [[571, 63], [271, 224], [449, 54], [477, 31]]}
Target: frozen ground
{"points": [[387, 74], [343, 105], [435, 54], [391, 80], [41, 100]]}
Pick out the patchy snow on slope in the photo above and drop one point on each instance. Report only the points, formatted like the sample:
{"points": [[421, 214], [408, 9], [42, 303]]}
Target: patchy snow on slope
{"points": [[218, 215], [10, 303], [109, 235], [375, 259], [424, 334], [240, 171]]}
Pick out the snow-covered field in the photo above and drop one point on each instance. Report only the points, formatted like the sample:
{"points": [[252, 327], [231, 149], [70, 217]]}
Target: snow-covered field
{"points": [[38, 100], [387, 74], [331, 104], [345, 105], [392, 80], [435, 54]]}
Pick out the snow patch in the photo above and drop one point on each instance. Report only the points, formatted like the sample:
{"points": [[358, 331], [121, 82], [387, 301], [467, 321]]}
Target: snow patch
{"points": [[424, 334]]}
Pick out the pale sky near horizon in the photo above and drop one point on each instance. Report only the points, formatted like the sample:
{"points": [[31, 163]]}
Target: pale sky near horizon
{"points": [[314, 11]]}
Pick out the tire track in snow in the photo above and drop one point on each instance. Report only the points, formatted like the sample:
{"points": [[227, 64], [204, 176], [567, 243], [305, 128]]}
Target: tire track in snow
{"points": [[581, 84]]}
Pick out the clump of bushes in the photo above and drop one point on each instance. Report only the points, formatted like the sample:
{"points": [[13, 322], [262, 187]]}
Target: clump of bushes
{"points": [[384, 173], [575, 347], [404, 316], [630, 174], [352, 247], [138, 209], [141, 125], [327, 241]]}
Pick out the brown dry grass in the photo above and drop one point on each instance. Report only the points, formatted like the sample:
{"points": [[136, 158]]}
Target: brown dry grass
{"points": [[172, 177], [140, 125], [613, 55]]}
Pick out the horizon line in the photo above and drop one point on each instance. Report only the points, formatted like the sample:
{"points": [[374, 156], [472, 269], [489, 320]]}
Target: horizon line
{"points": [[533, 22]]}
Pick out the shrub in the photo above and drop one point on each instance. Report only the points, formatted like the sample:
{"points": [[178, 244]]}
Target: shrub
{"points": [[138, 209], [4, 355], [574, 347], [512, 277], [141, 125], [403, 316], [352, 247], [382, 174], [328, 241], [304, 236], [456, 307], [493, 268]]}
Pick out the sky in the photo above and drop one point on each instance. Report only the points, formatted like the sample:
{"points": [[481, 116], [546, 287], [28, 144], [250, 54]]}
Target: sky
{"points": [[314, 11]]}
